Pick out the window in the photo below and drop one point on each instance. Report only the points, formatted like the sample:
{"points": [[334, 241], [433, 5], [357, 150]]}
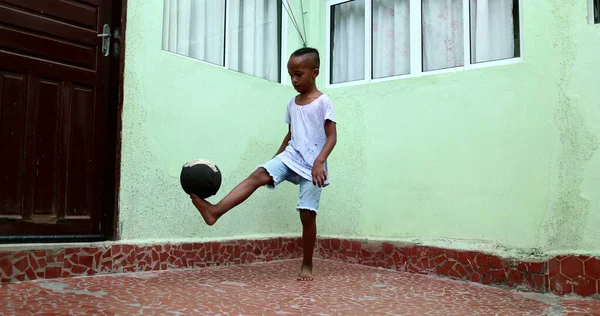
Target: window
{"points": [[241, 35], [376, 39]]}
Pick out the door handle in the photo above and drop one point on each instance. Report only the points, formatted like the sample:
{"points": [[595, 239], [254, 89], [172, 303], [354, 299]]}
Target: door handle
{"points": [[105, 40]]}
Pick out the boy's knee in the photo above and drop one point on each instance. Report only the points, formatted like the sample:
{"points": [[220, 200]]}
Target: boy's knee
{"points": [[261, 177]]}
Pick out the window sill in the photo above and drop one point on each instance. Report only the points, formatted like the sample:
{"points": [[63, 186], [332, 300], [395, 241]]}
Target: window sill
{"points": [[217, 66], [483, 65]]}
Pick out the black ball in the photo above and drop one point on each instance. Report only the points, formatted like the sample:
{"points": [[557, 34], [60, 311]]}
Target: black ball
{"points": [[200, 177]]}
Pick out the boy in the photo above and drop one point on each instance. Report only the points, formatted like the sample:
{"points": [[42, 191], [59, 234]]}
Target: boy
{"points": [[301, 158]]}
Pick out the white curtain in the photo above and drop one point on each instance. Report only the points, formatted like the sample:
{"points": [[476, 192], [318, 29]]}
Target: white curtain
{"points": [[391, 38], [492, 30], [252, 38], [195, 28], [348, 53], [443, 31]]}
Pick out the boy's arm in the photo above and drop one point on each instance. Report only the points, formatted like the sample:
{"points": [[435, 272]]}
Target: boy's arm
{"points": [[318, 173], [331, 132], [285, 142]]}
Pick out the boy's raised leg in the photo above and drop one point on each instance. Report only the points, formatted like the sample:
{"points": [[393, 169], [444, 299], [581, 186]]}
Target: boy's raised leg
{"points": [[309, 237], [211, 213]]}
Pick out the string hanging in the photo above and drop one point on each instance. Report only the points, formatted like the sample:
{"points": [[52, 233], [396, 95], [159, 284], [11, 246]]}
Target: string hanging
{"points": [[292, 17]]}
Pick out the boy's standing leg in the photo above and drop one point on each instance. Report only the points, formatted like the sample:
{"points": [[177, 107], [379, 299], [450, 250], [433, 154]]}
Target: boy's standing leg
{"points": [[309, 237], [308, 206]]}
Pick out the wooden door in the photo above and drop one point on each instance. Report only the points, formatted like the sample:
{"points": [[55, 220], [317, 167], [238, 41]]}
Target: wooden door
{"points": [[56, 150]]}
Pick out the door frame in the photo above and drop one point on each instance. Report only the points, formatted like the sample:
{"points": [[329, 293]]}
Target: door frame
{"points": [[116, 97]]}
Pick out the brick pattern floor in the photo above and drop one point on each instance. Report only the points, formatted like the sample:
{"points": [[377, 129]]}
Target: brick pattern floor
{"points": [[271, 289], [561, 275]]}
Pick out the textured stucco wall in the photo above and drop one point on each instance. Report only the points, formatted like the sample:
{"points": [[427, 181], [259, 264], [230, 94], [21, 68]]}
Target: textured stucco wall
{"points": [[498, 158], [573, 217]]}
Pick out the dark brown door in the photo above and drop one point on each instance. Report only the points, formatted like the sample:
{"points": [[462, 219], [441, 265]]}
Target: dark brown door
{"points": [[56, 150]]}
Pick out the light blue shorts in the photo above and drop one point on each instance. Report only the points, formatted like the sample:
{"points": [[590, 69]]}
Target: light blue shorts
{"points": [[309, 195]]}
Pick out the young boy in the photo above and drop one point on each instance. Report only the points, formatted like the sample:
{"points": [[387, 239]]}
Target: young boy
{"points": [[301, 158]]}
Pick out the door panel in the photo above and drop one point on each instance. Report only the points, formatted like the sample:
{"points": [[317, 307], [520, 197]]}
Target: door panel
{"points": [[72, 12], [12, 132], [80, 137], [27, 42], [47, 148], [43, 25], [55, 152]]}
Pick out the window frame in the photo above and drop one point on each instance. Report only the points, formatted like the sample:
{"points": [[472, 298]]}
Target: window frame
{"points": [[416, 56], [283, 42], [592, 12]]}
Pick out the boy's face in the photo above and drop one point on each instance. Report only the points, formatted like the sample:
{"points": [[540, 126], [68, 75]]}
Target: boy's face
{"points": [[302, 73]]}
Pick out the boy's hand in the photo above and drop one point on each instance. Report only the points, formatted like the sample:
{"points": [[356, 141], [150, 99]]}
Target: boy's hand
{"points": [[318, 174]]}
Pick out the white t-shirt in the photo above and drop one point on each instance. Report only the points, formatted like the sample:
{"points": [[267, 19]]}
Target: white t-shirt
{"points": [[308, 134]]}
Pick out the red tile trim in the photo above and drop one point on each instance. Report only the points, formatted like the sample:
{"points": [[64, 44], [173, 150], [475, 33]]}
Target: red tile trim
{"points": [[73, 262], [560, 275]]}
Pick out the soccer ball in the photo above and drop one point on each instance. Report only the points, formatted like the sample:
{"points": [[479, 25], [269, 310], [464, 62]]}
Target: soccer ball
{"points": [[200, 177]]}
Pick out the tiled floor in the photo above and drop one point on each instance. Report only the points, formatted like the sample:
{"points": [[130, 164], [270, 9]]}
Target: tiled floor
{"points": [[271, 289]]}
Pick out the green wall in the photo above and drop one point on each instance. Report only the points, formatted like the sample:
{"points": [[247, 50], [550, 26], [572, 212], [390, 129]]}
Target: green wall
{"points": [[502, 159]]}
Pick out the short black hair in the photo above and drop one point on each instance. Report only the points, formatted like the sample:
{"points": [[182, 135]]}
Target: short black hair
{"points": [[312, 52]]}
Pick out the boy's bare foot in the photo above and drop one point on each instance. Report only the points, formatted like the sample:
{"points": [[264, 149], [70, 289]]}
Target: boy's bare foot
{"points": [[207, 210], [305, 273]]}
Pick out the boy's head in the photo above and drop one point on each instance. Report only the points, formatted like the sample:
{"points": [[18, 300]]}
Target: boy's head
{"points": [[303, 67]]}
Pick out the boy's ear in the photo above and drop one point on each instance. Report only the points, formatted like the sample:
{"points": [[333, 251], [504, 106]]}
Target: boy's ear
{"points": [[315, 72]]}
